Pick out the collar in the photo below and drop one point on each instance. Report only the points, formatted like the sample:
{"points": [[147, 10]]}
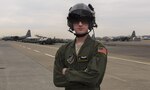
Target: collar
{"points": [[86, 42]]}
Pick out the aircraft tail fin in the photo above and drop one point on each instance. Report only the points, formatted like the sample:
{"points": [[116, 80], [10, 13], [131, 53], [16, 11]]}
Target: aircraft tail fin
{"points": [[28, 33], [133, 34]]}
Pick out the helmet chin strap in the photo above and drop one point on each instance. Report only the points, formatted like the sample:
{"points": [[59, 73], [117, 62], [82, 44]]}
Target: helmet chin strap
{"points": [[79, 35]]}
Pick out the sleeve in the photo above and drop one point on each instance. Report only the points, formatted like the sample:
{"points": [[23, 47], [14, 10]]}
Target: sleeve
{"points": [[58, 78], [95, 70]]}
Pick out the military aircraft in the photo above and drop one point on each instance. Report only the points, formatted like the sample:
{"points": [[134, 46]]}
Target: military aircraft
{"points": [[146, 37], [133, 37], [31, 40], [16, 38], [45, 40]]}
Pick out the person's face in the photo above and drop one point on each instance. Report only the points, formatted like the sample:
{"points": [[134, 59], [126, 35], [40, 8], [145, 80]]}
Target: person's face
{"points": [[80, 26]]}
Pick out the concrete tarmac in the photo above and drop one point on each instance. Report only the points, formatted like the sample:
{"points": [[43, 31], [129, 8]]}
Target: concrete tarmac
{"points": [[26, 66], [21, 72]]}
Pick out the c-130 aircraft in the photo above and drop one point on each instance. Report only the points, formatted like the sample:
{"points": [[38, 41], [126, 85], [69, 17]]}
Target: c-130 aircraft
{"points": [[16, 38]]}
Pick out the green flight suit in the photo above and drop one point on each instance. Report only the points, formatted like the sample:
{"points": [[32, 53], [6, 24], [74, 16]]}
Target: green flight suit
{"points": [[85, 70]]}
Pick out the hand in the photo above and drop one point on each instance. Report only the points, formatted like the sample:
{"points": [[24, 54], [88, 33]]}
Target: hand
{"points": [[64, 71]]}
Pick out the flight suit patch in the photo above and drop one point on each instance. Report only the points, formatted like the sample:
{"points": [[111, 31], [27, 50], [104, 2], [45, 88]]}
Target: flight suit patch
{"points": [[70, 60], [82, 59]]}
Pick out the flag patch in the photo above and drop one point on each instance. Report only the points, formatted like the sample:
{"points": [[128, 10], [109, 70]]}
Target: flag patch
{"points": [[102, 50]]}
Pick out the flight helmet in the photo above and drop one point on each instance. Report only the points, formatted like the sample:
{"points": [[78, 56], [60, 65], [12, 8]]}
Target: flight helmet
{"points": [[81, 12]]}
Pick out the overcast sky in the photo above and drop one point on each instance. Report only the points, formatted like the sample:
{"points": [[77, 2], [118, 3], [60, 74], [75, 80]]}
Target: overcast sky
{"points": [[48, 17]]}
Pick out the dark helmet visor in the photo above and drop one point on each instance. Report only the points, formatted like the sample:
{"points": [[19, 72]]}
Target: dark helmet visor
{"points": [[80, 15]]}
